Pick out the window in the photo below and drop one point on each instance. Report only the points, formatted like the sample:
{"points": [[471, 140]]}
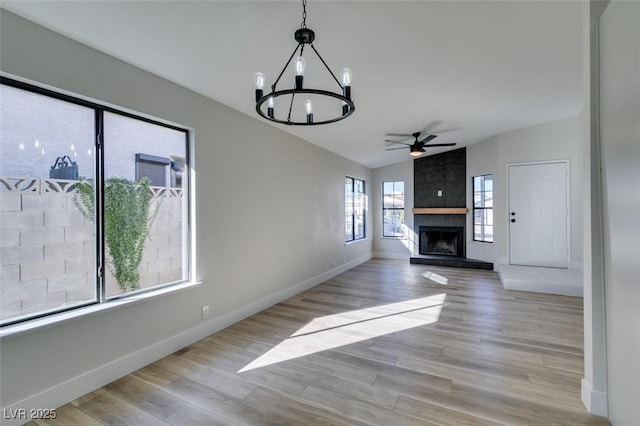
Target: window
{"points": [[483, 208], [393, 209], [79, 223], [355, 207], [153, 168]]}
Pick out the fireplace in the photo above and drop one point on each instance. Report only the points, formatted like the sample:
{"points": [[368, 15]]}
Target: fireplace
{"points": [[441, 240]]}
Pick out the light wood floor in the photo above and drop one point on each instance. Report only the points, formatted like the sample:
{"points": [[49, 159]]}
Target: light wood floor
{"points": [[386, 343]]}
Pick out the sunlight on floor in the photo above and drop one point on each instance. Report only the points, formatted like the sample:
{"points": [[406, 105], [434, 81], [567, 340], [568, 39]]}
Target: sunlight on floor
{"points": [[342, 329], [439, 279]]}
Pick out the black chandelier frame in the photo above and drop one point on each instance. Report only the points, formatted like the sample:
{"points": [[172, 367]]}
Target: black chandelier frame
{"points": [[304, 36]]}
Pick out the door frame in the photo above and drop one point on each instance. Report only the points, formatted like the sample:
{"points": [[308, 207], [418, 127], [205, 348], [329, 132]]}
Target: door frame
{"points": [[567, 163]]}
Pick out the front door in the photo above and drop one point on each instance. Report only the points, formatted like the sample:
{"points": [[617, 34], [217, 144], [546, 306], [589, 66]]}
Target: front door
{"points": [[538, 214]]}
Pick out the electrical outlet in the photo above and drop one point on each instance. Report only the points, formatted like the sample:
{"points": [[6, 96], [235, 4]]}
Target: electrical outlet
{"points": [[205, 312], [439, 192]]}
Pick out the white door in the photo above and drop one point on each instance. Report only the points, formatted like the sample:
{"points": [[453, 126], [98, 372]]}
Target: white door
{"points": [[538, 214]]}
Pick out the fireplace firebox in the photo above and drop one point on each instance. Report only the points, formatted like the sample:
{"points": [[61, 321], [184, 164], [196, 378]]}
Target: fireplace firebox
{"points": [[441, 240]]}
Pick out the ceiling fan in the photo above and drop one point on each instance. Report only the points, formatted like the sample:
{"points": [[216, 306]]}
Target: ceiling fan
{"points": [[417, 147]]}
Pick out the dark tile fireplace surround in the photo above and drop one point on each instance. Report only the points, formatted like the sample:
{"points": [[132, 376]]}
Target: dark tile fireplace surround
{"points": [[440, 182]]}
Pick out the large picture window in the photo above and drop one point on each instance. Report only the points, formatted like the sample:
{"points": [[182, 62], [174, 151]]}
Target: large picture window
{"points": [[79, 223], [483, 208], [393, 209], [355, 209]]}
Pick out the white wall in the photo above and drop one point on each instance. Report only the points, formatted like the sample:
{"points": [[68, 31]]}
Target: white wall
{"points": [[594, 383], [393, 248], [270, 222], [484, 160], [556, 140], [620, 145]]}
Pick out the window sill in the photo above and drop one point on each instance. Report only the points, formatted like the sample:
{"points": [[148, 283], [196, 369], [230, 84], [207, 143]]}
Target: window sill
{"points": [[75, 314], [394, 238], [348, 243]]}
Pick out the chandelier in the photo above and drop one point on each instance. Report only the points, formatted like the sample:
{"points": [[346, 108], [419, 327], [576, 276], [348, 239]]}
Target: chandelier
{"points": [[304, 36]]}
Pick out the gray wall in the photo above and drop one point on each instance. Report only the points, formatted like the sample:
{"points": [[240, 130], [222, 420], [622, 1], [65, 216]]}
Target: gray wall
{"points": [[270, 222], [620, 145], [387, 247], [555, 140]]}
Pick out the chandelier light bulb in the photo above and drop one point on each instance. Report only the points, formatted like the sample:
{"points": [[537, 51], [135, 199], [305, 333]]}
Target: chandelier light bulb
{"points": [[270, 106], [308, 106], [21, 147], [36, 143], [259, 79], [299, 72], [346, 77], [300, 66], [346, 85]]}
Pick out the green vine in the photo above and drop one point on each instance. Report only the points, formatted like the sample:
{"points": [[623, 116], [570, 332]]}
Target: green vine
{"points": [[128, 217]]}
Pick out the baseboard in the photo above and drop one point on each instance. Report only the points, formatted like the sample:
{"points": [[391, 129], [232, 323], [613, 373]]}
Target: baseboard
{"points": [[391, 255], [78, 386], [595, 401]]}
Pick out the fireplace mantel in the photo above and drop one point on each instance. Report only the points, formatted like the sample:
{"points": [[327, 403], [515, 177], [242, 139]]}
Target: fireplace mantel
{"points": [[440, 210]]}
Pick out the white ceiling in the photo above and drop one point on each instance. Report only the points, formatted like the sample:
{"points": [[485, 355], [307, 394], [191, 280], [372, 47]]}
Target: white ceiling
{"points": [[464, 70]]}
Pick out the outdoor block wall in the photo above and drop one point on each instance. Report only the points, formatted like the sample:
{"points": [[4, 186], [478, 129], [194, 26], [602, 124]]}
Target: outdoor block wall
{"points": [[47, 247]]}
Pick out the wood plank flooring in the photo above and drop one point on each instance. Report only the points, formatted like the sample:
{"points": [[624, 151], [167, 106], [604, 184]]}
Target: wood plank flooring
{"points": [[385, 343]]}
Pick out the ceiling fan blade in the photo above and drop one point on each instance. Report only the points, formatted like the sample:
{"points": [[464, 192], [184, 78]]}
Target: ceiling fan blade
{"points": [[399, 135], [392, 149], [389, 141], [439, 144], [429, 138]]}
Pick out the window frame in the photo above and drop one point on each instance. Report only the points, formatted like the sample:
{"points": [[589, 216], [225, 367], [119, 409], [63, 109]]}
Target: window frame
{"points": [[352, 237], [102, 301], [384, 209], [481, 209]]}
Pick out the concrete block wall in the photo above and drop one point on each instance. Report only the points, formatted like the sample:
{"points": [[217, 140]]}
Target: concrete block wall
{"points": [[47, 248], [162, 257]]}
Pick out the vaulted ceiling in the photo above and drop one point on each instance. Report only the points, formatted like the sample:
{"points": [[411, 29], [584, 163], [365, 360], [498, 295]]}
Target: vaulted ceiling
{"points": [[464, 70]]}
